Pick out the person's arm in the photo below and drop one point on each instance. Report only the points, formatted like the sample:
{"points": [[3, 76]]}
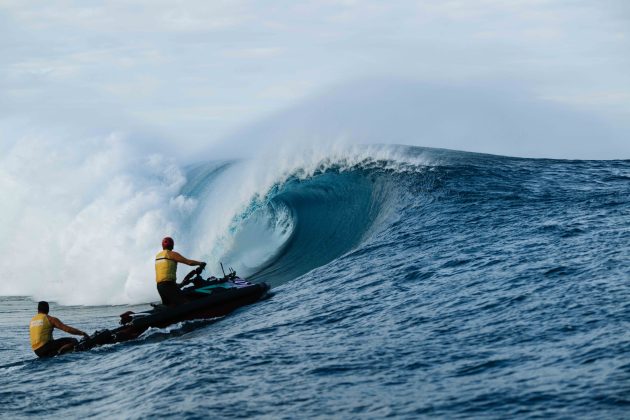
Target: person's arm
{"points": [[176, 256], [63, 327]]}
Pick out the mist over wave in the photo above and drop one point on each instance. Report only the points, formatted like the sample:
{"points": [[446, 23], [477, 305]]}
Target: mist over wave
{"points": [[82, 216]]}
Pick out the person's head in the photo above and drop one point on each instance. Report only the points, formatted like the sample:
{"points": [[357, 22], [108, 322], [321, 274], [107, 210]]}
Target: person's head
{"points": [[168, 243], [42, 307]]}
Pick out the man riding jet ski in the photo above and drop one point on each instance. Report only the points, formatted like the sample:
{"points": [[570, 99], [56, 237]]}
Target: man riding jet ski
{"points": [[41, 332], [166, 273]]}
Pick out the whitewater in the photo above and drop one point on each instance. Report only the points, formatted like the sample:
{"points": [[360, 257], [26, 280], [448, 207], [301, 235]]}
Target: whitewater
{"points": [[407, 282]]}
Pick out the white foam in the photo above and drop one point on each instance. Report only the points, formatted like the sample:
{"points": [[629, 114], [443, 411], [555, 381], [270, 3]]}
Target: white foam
{"points": [[80, 219]]}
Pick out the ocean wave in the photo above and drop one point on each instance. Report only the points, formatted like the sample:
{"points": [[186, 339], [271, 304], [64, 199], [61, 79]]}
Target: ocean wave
{"points": [[86, 218]]}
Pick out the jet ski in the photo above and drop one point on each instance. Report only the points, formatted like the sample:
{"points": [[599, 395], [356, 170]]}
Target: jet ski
{"points": [[206, 298]]}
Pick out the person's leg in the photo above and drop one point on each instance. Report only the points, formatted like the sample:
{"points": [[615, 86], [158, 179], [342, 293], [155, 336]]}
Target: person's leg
{"points": [[164, 293], [170, 294], [55, 347], [67, 345], [46, 350]]}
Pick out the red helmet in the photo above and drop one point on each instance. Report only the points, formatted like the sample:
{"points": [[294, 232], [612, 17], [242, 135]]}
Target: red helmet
{"points": [[168, 243]]}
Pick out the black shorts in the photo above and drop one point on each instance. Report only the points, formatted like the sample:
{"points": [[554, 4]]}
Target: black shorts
{"points": [[170, 293], [51, 348]]}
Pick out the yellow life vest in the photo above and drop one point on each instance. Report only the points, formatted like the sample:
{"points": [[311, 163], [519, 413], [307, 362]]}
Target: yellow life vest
{"points": [[165, 267], [41, 331]]}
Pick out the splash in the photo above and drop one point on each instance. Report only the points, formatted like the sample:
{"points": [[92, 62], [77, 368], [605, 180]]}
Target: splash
{"points": [[81, 218]]}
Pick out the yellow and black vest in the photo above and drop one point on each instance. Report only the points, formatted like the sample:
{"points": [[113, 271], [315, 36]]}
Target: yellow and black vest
{"points": [[41, 331], [165, 267]]}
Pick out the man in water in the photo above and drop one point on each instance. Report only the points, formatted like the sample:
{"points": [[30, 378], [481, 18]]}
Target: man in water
{"points": [[166, 272], [41, 329]]}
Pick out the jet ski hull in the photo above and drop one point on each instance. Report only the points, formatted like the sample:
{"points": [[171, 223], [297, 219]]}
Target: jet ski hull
{"points": [[210, 300]]}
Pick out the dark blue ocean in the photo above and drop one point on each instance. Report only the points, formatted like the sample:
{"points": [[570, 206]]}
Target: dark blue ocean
{"points": [[476, 286]]}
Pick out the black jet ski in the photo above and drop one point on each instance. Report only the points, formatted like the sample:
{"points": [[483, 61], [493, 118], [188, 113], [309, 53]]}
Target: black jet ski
{"points": [[207, 298]]}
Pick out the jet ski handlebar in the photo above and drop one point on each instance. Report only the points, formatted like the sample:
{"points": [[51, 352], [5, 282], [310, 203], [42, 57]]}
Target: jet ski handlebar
{"points": [[195, 276]]}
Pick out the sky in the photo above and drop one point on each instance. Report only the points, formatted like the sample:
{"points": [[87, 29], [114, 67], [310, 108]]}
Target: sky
{"points": [[103, 105], [535, 78]]}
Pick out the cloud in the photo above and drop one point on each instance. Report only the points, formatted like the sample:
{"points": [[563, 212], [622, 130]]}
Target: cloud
{"points": [[170, 68], [259, 52]]}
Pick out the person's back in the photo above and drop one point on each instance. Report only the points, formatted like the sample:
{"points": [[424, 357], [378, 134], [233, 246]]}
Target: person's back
{"points": [[40, 330], [41, 333], [165, 266]]}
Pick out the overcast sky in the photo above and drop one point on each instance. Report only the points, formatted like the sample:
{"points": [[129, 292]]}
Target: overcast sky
{"points": [[197, 73]]}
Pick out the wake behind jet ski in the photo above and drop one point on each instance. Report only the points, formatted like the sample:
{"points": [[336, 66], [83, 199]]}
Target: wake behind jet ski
{"points": [[205, 298]]}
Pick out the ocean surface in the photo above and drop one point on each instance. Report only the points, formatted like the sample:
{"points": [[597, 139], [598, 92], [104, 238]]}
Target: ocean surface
{"points": [[407, 284]]}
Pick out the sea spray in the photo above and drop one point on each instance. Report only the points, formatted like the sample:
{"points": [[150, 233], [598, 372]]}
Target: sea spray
{"points": [[84, 217]]}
